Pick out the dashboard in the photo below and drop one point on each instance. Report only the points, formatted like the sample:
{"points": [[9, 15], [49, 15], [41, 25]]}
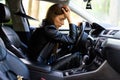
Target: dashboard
{"points": [[106, 45]]}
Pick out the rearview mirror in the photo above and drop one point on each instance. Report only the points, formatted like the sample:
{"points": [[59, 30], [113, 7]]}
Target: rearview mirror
{"points": [[88, 5]]}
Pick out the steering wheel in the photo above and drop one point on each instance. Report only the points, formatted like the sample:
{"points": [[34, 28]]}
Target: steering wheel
{"points": [[72, 48], [80, 33]]}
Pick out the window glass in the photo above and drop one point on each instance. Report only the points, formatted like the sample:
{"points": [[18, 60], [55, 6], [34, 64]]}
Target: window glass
{"points": [[2, 1], [38, 9], [102, 10], [106, 11]]}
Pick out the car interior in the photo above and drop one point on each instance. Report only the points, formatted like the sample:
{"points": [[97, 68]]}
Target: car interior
{"points": [[99, 47]]}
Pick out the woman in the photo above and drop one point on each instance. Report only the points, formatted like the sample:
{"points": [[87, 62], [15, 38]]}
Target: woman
{"points": [[46, 37]]}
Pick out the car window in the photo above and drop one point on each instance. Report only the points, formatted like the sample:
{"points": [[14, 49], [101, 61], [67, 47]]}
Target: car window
{"points": [[38, 9], [102, 10], [2, 1]]}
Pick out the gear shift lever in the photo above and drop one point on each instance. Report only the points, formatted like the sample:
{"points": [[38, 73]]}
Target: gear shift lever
{"points": [[82, 66], [85, 58]]}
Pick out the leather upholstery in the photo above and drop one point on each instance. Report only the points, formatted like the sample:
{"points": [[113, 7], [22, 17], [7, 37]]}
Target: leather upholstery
{"points": [[3, 53], [13, 42], [4, 13], [9, 36], [11, 65]]}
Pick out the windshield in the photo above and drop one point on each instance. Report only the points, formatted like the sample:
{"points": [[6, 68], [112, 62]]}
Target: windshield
{"points": [[105, 11]]}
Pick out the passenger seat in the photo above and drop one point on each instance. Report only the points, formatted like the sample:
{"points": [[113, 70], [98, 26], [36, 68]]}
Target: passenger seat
{"points": [[9, 36], [11, 66]]}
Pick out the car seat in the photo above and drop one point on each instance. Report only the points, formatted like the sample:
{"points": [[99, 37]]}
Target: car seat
{"points": [[9, 36], [11, 66]]}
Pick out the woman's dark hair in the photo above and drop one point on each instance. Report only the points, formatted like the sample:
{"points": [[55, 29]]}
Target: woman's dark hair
{"points": [[53, 11]]}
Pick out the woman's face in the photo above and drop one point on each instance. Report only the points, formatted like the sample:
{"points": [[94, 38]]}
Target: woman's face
{"points": [[59, 20]]}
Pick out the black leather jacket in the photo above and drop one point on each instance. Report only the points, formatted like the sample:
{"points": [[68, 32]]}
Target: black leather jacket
{"points": [[49, 35]]}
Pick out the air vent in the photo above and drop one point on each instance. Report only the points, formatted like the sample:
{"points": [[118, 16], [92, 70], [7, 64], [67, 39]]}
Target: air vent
{"points": [[113, 32], [106, 31]]}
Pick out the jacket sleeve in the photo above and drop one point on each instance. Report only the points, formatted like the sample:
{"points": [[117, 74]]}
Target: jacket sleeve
{"points": [[53, 33]]}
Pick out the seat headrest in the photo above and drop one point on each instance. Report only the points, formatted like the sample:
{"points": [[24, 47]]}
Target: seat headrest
{"points": [[4, 13]]}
